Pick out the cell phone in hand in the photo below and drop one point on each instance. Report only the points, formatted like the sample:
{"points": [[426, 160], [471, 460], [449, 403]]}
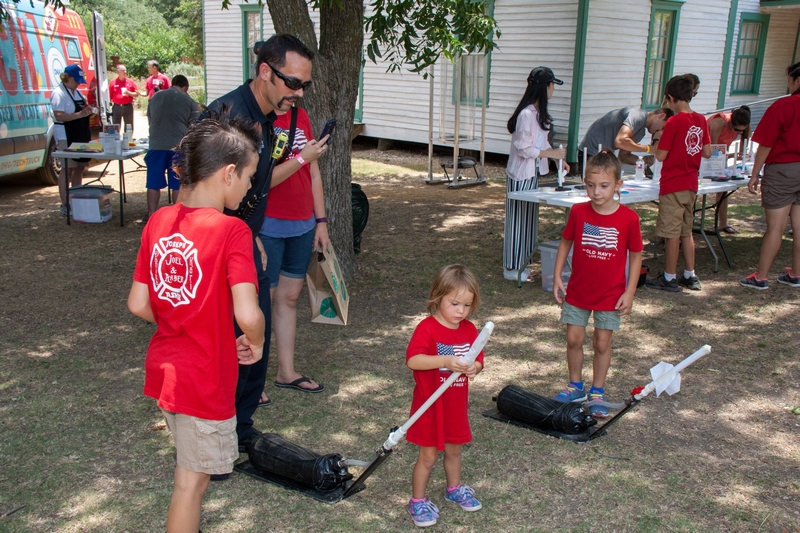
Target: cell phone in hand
{"points": [[328, 130]]}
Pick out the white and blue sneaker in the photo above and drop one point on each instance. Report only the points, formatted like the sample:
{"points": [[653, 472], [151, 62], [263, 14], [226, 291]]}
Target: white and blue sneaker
{"points": [[423, 513], [464, 496], [570, 394]]}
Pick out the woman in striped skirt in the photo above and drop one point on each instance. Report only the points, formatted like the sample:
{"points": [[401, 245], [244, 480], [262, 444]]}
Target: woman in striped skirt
{"points": [[528, 127]]}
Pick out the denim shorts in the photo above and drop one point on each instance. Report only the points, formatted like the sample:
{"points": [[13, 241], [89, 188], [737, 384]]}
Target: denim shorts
{"points": [[158, 163], [287, 256], [577, 316]]}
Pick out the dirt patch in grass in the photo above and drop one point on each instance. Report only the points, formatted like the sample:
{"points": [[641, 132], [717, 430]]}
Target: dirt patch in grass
{"points": [[84, 450]]}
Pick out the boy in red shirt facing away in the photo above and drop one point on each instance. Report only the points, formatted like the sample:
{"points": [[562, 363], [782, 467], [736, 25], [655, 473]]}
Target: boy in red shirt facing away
{"points": [[684, 141], [194, 274], [605, 234]]}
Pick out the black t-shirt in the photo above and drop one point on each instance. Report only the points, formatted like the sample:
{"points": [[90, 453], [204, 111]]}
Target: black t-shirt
{"points": [[241, 102]]}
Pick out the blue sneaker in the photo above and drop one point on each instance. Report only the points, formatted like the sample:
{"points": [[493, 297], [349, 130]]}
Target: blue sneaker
{"points": [[423, 513], [570, 394], [597, 411], [464, 496]]}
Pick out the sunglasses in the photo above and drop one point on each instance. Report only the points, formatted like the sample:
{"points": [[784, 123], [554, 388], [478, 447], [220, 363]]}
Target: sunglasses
{"points": [[740, 130], [293, 84]]}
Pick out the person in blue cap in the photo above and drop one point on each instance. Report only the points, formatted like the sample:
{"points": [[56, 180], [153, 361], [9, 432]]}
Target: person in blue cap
{"points": [[71, 113]]}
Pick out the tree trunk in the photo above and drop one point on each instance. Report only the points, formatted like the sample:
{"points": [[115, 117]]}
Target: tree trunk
{"points": [[336, 71]]}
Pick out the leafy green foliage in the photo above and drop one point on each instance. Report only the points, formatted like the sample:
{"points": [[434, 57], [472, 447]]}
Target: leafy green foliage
{"points": [[166, 45], [414, 33], [190, 19], [129, 17]]}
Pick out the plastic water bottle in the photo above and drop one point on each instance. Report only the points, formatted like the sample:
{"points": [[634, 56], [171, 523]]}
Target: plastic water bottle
{"points": [[128, 135], [657, 171], [639, 176]]}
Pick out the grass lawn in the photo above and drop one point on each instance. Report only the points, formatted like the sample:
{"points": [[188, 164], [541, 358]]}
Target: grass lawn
{"points": [[81, 448]]}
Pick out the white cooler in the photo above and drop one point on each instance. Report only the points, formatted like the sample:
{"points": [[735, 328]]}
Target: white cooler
{"points": [[90, 203]]}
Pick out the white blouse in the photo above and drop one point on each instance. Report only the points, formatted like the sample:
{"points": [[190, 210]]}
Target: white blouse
{"points": [[526, 142], [62, 100]]}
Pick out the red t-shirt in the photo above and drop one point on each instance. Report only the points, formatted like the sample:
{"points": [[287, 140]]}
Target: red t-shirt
{"points": [[292, 199], [600, 250], [780, 130], [160, 80], [684, 136], [446, 421], [189, 259], [115, 87]]}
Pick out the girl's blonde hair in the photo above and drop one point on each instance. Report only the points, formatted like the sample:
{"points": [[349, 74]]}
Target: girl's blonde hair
{"points": [[454, 278], [604, 161]]}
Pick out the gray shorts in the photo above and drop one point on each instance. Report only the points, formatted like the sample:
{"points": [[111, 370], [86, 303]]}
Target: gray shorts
{"points": [[780, 185], [580, 317]]}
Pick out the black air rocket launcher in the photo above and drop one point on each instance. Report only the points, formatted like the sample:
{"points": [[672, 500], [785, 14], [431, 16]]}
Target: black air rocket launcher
{"points": [[326, 477], [572, 421]]}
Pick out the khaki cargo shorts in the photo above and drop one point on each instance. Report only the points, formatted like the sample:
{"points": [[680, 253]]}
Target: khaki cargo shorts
{"points": [[675, 214], [207, 446]]}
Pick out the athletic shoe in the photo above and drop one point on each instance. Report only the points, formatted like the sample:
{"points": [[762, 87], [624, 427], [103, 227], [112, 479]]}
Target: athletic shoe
{"points": [[513, 275], [62, 210], [692, 283], [464, 496], [570, 394], [788, 279], [597, 411], [660, 283], [753, 282], [423, 513]]}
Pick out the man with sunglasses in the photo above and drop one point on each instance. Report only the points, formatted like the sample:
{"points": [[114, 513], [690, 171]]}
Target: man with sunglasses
{"points": [[282, 73]]}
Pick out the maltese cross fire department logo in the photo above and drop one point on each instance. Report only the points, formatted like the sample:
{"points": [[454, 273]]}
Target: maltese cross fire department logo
{"points": [[174, 269], [694, 140]]}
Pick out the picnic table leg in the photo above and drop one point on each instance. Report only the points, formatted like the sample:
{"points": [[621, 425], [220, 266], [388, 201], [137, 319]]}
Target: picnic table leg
{"points": [[122, 199], [66, 184], [702, 232], [716, 225]]}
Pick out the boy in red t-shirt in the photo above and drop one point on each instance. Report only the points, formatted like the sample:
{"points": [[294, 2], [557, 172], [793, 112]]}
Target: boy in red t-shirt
{"points": [[605, 235], [433, 354], [683, 142], [194, 274]]}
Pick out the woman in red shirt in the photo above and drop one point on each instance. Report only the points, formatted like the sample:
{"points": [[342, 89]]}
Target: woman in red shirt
{"points": [[778, 138]]}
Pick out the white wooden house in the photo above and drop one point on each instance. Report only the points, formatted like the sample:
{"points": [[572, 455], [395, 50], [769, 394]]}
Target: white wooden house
{"points": [[610, 54]]}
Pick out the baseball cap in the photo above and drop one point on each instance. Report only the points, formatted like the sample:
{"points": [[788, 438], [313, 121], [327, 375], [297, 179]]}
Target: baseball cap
{"points": [[76, 72], [543, 75]]}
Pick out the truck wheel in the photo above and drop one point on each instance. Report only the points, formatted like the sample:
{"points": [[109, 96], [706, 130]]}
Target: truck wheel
{"points": [[48, 173]]}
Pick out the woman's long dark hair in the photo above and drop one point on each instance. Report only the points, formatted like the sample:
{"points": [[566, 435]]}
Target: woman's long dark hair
{"points": [[740, 118], [535, 93]]}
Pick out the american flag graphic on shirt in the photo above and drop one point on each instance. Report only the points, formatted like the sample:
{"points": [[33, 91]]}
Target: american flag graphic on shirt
{"points": [[599, 237], [451, 349]]}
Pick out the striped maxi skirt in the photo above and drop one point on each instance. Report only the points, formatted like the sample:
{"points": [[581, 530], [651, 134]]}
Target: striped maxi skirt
{"points": [[518, 235]]}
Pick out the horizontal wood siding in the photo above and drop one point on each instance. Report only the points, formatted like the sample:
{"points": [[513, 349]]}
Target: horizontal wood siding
{"points": [[616, 47], [533, 33], [778, 55], [701, 46]]}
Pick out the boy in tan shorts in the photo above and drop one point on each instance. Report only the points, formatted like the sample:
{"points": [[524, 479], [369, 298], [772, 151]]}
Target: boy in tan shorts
{"points": [[684, 141]]}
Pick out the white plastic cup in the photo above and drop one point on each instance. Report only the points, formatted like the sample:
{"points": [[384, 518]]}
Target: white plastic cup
{"points": [[118, 147]]}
